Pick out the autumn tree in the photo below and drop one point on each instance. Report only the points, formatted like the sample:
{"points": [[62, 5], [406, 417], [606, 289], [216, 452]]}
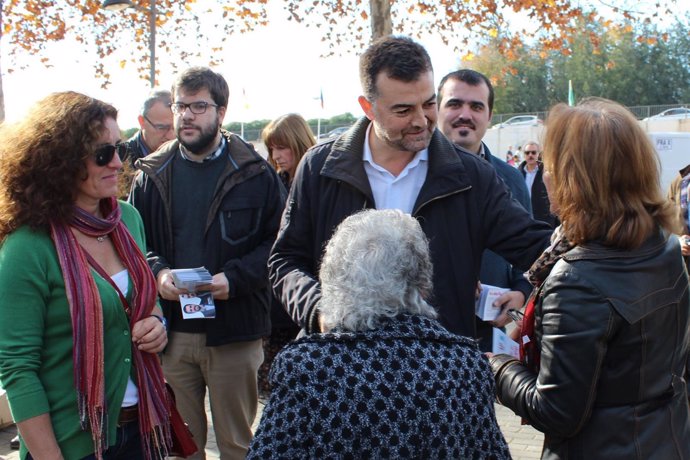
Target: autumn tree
{"points": [[625, 63], [184, 29], [188, 28], [2, 93]]}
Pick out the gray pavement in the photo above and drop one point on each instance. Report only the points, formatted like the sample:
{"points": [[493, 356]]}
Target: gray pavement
{"points": [[524, 441]]}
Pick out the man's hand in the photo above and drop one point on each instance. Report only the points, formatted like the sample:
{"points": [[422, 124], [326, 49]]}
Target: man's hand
{"points": [[166, 286], [219, 287], [685, 244], [510, 299]]}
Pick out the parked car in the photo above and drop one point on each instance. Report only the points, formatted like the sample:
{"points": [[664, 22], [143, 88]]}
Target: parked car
{"points": [[671, 114], [520, 120], [332, 134]]}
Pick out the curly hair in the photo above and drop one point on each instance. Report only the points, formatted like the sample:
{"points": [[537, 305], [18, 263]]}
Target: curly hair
{"points": [[43, 158], [375, 266], [605, 173], [290, 131]]}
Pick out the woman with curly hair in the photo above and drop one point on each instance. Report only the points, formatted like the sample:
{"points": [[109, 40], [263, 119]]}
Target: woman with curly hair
{"points": [[604, 340], [79, 324], [287, 139]]}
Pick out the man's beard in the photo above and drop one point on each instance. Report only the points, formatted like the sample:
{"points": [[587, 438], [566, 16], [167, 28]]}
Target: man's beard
{"points": [[206, 137]]}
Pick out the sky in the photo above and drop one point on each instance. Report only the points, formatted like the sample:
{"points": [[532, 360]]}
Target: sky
{"points": [[274, 70], [271, 71]]}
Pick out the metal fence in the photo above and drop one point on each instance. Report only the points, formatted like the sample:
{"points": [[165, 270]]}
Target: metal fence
{"points": [[640, 111], [254, 135]]}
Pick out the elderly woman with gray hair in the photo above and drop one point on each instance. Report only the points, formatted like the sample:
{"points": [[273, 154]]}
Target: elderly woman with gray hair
{"points": [[383, 379]]}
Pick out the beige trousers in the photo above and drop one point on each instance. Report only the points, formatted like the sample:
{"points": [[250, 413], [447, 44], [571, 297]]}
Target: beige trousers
{"points": [[229, 373]]}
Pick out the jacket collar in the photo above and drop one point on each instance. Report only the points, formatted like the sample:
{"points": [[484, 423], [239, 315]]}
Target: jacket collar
{"points": [[594, 250], [446, 172], [402, 327], [236, 150]]}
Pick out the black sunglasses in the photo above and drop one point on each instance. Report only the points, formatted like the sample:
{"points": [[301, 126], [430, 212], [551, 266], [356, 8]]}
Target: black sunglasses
{"points": [[105, 153]]}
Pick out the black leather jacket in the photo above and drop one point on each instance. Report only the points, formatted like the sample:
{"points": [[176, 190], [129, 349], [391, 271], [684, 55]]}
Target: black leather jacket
{"points": [[613, 332]]}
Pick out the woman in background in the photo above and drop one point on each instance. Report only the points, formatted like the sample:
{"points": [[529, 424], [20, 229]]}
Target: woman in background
{"points": [[79, 324], [606, 330], [287, 138]]}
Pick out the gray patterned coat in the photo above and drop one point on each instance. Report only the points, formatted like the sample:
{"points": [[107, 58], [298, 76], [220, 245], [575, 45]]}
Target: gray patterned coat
{"points": [[409, 389]]}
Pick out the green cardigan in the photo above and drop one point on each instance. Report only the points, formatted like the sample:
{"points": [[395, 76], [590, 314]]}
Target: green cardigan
{"points": [[36, 366]]}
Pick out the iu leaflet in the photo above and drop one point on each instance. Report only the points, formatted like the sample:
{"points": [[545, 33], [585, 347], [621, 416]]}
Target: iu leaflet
{"points": [[484, 306], [191, 278], [195, 304]]}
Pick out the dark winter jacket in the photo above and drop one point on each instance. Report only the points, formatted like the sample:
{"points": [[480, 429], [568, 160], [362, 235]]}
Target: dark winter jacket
{"points": [[612, 327], [463, 208], [495, 270], [541, 207], [407, 390], [136, 148], [242, 223]]}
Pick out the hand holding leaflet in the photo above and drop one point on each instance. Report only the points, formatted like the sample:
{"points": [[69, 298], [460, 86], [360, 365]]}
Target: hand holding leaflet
{"points": [[484, 306], [191, 278], [195, 304]]}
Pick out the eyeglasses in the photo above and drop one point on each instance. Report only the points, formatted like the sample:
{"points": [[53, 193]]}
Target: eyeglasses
{"points": [[531, 152], [158, 127], [197, 108], [104, 154]]}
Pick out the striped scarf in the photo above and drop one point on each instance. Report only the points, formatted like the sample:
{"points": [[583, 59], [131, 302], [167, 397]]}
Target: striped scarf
{"points": [[87, 326], [530, 354]]}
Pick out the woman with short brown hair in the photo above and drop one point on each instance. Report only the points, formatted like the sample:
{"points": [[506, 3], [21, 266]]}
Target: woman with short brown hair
{"points": [[287, 139], [604, 341]]}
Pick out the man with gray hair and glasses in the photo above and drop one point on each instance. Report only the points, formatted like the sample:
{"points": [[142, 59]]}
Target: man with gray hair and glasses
{"points": [[156, 126]]}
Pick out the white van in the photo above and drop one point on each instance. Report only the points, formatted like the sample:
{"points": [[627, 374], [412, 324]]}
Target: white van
{"points": [[674, 153]]}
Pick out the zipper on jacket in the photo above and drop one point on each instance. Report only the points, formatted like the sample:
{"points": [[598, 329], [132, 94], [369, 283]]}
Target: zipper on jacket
{"points": [[415, 211]]}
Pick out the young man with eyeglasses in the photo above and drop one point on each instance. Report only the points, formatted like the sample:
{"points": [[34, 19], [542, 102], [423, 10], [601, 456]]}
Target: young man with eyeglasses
{"points": [[156, 126], [532, 170], [209, 199]]}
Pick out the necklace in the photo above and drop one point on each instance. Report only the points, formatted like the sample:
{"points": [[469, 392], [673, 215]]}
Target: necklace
{"points": [[102, 238]]}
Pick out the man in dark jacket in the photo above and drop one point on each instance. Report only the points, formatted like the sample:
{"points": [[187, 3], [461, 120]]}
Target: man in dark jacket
{"points": [[395, 158], [466, 101], [533, 170], [222, 213]]}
